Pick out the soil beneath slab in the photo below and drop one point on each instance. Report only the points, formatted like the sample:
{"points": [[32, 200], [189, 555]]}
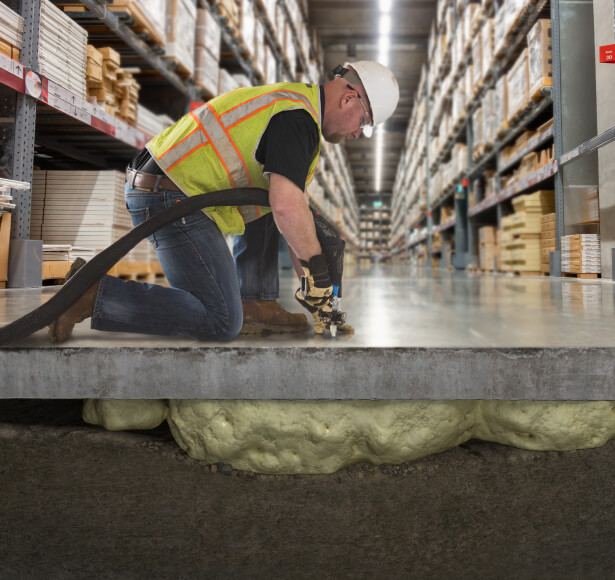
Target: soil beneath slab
{"points": [[81, 502]]}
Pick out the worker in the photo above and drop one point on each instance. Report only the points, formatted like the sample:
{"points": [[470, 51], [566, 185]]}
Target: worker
{"points": [[265, 137]]}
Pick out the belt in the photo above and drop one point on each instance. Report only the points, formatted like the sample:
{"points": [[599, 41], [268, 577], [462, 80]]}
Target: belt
{"points": [[149, 181]]}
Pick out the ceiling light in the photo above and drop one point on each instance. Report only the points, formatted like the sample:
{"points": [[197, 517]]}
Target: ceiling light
{"points": [[384, 27], [384, 43], [385, 5]]}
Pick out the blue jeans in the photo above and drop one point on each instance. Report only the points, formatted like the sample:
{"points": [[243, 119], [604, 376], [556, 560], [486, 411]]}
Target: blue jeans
{"points": [[204, 300]]}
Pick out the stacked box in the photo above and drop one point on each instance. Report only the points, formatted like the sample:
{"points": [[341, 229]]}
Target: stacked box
{"points": [[487, 54], [226, 82], [477, 131], [518, 85], [11, 26], [501, 105], [506, 240], [62, 50], [229, 10], [581, 254], [540, 60], [207, 33], [590, 208], [499, 30], [148, 17], [477, 62], [101, 88], [529, 209], [259, 60], [150, 123], [547, 241], [180, 33], [207, 53], [487, 251], [247, 26], [489, 133]]}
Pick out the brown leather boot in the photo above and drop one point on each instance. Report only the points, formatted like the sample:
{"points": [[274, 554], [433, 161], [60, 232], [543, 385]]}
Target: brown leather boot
{"points": [[264, 316], [62, 328]]}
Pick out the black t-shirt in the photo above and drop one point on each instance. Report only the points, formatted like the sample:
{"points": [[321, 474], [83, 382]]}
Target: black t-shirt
{"points": [[286, 148], [288, 145]]}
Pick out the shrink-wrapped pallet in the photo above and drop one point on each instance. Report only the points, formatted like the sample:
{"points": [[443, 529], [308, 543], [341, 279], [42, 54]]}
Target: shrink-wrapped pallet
{"points": [[247, 26], [181, 26], [151, 123], [477, 62], [226, 82], [259, 60], [539, 55], [518, 85], [206, 71], [487, 56], [477, 131], [468, 23], [207, 33], [154, 12], [581, 254], [488, 108], [290, 50], [229, 10], [271, 66], [499, 29], [501, 104]]}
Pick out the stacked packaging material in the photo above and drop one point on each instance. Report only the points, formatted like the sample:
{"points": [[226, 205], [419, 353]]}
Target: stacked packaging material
{"points": [[547, 241], [80, 208], [66, 253], [539, 50], [62, 52], [518, 85], [488, 248], [581, 254], [150, 123], [11, 26], [155, 13], [181, 27], [206, 52]]}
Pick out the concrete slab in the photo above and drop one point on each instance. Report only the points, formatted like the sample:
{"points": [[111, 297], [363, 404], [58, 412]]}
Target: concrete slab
{"points": [[418, 336]]}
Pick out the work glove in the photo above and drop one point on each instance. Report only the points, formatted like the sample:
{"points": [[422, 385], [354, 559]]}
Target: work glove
{"points": [[316, 287]]}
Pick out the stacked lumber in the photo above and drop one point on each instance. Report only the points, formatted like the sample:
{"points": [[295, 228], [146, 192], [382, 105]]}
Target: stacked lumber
{"points": [[79, 208], [62, 51], [11, 26], [110, 86], [521, 236], [150, 123], [180, 33], [581, 254], [206, 52]]}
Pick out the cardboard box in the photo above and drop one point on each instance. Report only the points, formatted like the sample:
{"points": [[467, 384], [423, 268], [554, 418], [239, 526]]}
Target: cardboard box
{"points": [[180, 34], [518, 85], [207, 33], [247, 26], [487, 235], [540, 59], [206, 72], [487, 53]]}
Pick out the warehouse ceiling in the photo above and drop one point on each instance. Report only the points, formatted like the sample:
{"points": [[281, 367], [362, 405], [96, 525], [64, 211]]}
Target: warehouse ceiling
{"points": [[349, 31]]}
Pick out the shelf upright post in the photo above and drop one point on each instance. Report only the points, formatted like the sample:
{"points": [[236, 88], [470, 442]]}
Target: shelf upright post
{"points": [[428, 173], [25, 255], [555, 261], [467, 256]]}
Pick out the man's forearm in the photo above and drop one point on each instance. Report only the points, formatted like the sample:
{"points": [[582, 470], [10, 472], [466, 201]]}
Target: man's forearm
{"points": [[293, 217]]}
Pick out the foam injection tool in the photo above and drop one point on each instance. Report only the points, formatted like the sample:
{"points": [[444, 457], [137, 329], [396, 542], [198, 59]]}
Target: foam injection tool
{"points": [[98, 266]]}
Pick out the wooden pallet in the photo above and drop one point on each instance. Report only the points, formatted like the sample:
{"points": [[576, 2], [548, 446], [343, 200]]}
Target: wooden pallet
{"points": [[179, 66], [55, 272], [581, 276], [527, 273], [140, 22]]}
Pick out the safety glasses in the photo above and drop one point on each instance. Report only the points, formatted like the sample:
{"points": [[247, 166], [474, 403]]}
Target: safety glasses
{"points": [[366, 120]]}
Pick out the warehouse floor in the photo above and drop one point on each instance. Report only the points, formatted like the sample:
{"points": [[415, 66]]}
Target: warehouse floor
{"points": [[419, 335], [393, 305]]}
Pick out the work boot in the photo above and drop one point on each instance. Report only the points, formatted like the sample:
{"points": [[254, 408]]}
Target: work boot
{"points": [[264, 316], [62, 328]]}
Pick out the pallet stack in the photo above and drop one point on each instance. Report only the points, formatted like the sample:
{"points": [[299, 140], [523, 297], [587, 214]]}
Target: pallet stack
{"points": [[206, 52], [62, 51], [581, 255], [488, 248], [539, 58], [547, 241], [180, 35], [523, 251], [11, 26], [147, 17]]}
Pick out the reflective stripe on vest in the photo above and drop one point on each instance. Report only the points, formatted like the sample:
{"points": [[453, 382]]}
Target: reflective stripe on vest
{"points": [[214, 147]]}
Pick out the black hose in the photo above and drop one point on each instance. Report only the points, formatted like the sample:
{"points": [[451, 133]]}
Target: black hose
{"points": [[98, 266]]}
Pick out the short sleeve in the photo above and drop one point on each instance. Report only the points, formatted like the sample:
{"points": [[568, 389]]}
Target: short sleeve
{"points": [[289, 145]]}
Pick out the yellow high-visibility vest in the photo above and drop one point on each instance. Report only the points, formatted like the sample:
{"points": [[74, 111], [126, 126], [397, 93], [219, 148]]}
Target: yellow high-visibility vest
{"points": [[214, 147]]}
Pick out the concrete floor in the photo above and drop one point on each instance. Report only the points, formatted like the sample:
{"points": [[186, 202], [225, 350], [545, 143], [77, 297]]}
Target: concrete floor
{"points": [[436, 327]]}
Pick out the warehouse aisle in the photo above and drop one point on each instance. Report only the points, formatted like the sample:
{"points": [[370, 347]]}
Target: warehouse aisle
{"points": [[395, 305]]}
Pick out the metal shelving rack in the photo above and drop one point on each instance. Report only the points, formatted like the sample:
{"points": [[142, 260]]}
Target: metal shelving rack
{"points": [[460, 228], [54, 117]]}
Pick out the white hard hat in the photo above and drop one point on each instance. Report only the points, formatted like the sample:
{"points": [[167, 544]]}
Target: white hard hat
{"points": [[381, 87]]}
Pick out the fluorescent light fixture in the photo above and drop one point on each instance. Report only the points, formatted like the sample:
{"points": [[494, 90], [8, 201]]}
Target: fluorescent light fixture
{"points": [[385, 5], [384, 43], [379, 145], [384, 26], [383, 58]]}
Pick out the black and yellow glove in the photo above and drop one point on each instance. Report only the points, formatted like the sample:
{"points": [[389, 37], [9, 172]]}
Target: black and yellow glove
{"points": [[316, 288]]}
